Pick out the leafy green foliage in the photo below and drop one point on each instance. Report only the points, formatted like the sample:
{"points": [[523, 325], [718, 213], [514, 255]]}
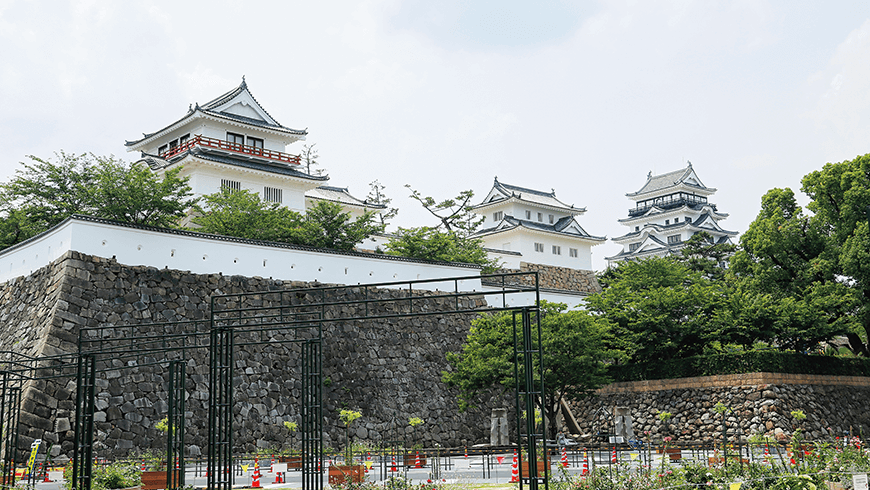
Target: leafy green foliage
{"points": [[786, 271], [658, 308], [46, 192], [740, 363], [702, 254], [574, 354], [840, 199], [243, 214], [328, 226], [431, 244]]}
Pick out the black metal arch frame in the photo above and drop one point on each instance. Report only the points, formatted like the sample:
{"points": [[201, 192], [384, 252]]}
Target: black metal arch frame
{"points": [[297, 316], [17, 371]]}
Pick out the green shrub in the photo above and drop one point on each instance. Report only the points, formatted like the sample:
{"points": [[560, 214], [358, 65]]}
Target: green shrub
{"points": [[741, 363]]}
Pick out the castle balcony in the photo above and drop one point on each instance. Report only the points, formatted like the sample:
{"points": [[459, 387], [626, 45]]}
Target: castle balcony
{"points": [[669, 202], [234, 149]]}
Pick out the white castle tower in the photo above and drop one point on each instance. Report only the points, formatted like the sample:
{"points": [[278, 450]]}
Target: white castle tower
{"points": [[232, 142], [668, 210], [534, 227]]}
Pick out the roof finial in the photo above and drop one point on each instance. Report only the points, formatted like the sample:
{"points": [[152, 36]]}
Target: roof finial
{"points": [[649, 175], [689, 163], [243, 85], [189, 107]]}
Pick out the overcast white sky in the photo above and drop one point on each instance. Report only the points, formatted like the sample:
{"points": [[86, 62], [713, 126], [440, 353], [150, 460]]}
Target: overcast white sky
{"points": [[584, 97]]}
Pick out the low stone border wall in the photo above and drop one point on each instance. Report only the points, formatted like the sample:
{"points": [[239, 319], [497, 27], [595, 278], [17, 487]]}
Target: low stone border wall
{"points": [[758, 403]]}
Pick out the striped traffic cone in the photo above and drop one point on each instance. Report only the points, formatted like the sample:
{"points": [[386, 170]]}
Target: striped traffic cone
{"points": [[564, 457], [393, 464], [255, 478], [585, 462], [466, 452], [515, 469], [368, 458], [417, 462], [766, 455], [613, 458], [143, 464]]}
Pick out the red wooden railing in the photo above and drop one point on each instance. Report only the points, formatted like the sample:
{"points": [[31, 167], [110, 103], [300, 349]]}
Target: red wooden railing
{"points": [[200, 140]]}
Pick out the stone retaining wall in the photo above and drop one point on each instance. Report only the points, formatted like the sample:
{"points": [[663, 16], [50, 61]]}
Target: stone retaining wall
{"points": [[388, 369], [558, 278], [758, 403]]}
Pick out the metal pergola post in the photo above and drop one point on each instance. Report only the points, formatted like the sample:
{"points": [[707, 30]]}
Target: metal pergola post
{"points": [[175, 423], [84, 428]]}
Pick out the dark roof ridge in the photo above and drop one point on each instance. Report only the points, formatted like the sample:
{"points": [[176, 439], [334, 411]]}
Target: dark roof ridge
{"points": [[552, 193]]}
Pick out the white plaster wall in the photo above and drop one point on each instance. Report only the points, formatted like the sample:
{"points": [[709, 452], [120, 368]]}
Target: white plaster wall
{"points": [[573, 301], [203, 255], [206, 179], [524, 243]]}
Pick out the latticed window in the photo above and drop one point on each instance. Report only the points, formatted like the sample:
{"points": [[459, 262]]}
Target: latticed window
{"points": [[271, 194], [633, 246], [572, 252], [539, 247], [557, 250], [232, 185], [672, 239]]}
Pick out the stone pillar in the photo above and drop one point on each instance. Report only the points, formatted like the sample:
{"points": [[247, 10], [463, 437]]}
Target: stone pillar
{"points": [[622, 423], [498, 435]]}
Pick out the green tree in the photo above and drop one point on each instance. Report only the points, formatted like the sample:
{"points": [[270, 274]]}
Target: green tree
{"points": [[840, 199], [328, 226], [45, 192], [243, 214], [455, 214], [573, 354], [431, 244], [132, 193], [658, 308], [786, 267], [376, 196], [702, 254]]}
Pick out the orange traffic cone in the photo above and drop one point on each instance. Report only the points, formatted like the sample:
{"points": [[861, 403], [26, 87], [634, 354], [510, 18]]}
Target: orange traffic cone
{"points": [[766, 455], [393, 464], [515, 469], [255, 478], [613, 457], [564, 458], [368, 458], [585, 462], [417, 462], [143, 464]]}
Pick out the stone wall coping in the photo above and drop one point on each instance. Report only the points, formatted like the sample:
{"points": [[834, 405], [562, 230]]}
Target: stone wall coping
{"points": [[748, 379]]}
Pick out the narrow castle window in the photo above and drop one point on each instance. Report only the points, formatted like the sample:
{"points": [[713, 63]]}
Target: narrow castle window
{"points": [[272, 195], [539, 247], [557, 250], [232, 185], [572, 252]]}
